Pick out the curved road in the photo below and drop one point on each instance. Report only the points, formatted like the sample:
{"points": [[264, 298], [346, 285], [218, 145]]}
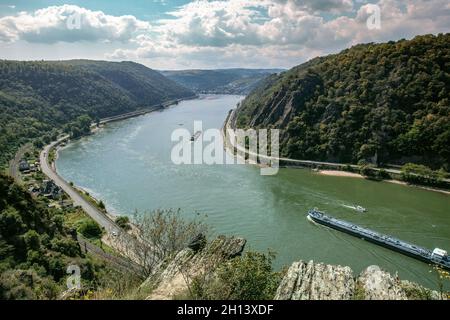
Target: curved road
{"points": [[101, 218], [230, 139]]}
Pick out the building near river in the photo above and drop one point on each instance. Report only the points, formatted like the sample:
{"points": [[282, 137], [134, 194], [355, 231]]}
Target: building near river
{"points": [[50, 190], [24, 166]]}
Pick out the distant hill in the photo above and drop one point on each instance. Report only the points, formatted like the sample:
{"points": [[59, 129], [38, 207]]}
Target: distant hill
{"points": [[143, 85], [226, 81], [388, 101], [38, 97]]}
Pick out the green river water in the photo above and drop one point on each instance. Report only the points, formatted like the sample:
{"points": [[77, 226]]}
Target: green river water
{"points": [[127, 165]]}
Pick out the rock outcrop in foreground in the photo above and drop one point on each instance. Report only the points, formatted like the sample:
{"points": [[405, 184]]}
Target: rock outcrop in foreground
{"points": [[175, 278], [302, 281], [317, 281]]}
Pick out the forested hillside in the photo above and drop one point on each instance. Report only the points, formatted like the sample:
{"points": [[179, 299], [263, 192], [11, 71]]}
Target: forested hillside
{"points": [[220, 81], [387, 101], [37, 98], [36, 247], [143, 85]]}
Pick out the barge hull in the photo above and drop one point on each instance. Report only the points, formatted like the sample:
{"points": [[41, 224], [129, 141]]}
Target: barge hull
{"points": [[438, 256], [369, 239]]}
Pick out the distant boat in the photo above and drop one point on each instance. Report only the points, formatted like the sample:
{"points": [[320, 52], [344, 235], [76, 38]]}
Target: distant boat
{"points": [[357, 208], [361, 209], [195, 136]]}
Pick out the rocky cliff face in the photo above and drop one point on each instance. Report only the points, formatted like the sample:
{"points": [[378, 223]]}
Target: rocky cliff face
{"points": [[309, 281], [302, 281], [317, 281], [175, 278]]}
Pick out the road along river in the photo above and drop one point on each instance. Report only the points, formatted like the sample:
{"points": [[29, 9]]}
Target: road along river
{"points": [[128, 165]]}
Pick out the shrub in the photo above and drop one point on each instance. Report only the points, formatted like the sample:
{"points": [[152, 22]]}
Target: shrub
{"points": [[67, 247], [368, 171], [90, 229], [123, 222], [32, 240], [420, 174], [383, 174], [249, 277]]}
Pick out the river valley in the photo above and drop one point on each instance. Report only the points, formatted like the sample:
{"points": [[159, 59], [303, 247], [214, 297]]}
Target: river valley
{"points": [[127, 164]]}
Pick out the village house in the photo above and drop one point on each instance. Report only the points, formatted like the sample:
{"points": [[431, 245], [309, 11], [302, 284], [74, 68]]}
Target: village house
{"points": [[50, 190]]}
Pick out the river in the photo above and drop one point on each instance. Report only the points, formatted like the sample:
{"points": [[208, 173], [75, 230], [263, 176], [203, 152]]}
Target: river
{"points": [[127, 164]]}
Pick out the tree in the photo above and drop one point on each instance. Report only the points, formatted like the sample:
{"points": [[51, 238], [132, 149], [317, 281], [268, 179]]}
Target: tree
{"points": [[420, 174], [158, 237], [247, 277], [32, 240], [35, 246], [367, 170], [123, 222], [90, 229], [373, 101]]}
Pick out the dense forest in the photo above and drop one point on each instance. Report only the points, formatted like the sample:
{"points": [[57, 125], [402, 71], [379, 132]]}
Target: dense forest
{"points": [[37, 98], [36, 247], [220, 81], [387, 103]]}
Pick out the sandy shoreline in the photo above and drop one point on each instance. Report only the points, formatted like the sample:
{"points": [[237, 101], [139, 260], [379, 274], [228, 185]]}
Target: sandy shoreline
{"points": [[337, 173], [421, 187]]}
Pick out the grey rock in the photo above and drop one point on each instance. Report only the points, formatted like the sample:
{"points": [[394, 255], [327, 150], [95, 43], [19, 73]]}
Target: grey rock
{"points": [[310, 281], [175, 278], [198, 243], [318, 281], [380, 285]]}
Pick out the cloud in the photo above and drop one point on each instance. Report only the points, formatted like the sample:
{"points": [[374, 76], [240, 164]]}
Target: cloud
{"points": [[69, 23], [293, 22], [317, 6], [219, 33]]}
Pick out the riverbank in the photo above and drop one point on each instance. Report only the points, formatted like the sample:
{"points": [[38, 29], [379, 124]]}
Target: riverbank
{"points": [[337, 173], [335, 169], [79, 196], [129, 167]]}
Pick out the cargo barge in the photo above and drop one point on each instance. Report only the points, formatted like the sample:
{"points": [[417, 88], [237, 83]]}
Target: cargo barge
{"points": [[437, 256]]}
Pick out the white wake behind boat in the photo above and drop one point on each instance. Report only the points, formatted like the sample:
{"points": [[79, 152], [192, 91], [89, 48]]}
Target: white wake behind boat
{"points": [[357, 208]]}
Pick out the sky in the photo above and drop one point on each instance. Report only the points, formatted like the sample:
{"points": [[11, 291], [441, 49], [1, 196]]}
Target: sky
{"points": [[181, 34]]}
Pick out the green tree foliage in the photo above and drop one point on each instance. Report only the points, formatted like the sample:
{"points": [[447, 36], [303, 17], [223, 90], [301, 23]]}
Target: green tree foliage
{"points": [[123, 222], [374, 101], [248, 277], [35, 246], [38, 98], [90, 229], [79, 127], [420, 174]]}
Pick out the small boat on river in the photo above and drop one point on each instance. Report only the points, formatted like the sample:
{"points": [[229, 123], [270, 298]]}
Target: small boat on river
{"points": [[356, 207], [195, 136]]}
